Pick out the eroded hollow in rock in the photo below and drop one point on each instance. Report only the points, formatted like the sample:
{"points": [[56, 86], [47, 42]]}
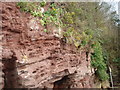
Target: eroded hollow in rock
{"points": [[65, 82]]}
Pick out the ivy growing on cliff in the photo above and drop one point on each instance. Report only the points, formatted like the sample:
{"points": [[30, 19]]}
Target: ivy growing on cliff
{"points": [[82, 30], [98, 62]]}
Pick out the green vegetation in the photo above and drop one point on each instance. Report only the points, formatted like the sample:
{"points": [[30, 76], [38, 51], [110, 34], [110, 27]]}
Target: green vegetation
{"points": [[84, 24], [42, 4], [46, 17], [98, 62], [117, 60], [45, 30]]}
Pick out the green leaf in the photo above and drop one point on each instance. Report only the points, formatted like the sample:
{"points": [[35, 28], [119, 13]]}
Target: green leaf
{"points": [[42, 22], [45, 30]]}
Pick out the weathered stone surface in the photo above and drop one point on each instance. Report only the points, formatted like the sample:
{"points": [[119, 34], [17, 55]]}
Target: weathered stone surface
{"points": [[1, 76], [40, 60]]}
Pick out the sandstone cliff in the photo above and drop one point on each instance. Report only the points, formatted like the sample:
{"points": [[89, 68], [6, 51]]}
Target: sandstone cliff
{"points": [[49, 62]]}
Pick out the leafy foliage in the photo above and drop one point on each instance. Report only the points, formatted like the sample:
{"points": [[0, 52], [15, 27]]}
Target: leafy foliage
{"points": [[46, 17], [98, 62], [82, 30], [42, 4]]}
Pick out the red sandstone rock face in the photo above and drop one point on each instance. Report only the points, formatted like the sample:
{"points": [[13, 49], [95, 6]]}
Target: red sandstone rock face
{"points": [[48, 61], [1, 76]]}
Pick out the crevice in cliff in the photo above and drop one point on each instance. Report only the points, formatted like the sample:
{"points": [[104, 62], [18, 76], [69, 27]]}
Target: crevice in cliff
{"points": [[62, 83], [66, 82], [11, 78]]}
